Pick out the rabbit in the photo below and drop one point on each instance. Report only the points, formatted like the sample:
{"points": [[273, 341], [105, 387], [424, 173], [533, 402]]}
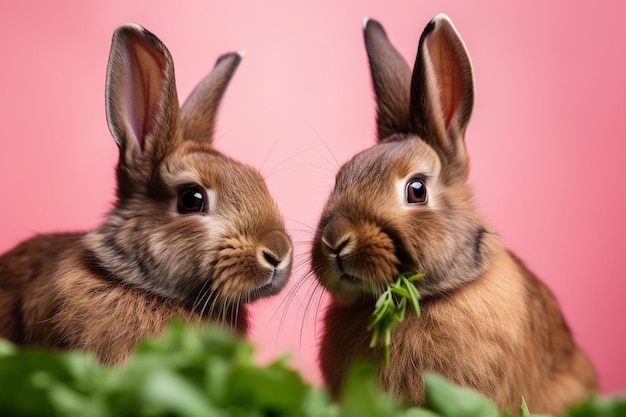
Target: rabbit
{"points": [[193, 234], [404, 206]]}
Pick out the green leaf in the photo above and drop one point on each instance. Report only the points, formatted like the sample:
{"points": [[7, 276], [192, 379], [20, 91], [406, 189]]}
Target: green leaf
{"points": [[523, 409], [274, 389], [171, 393], [525, 412], [390, 310], [451, 400], [361, 395], [384, 305], [400, 313], [375, 338], [600, 407], [387, 347], [507, 413], [402, 292], [413, 295], [24, 378], [317, 403], [418, 412], [415, 277], [6, 348]]}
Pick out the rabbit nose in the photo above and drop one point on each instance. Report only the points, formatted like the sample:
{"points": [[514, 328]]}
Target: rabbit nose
{"points": [[275, 251], [337, 248], [336, 237], [271, 258]]}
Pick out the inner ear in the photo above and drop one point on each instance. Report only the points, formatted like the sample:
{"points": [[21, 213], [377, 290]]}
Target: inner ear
{"points": [[448, 78], [144, 88], [448, 86]]}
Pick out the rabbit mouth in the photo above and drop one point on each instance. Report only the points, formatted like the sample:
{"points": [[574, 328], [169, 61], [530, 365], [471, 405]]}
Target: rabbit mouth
{"points": [[271, 286], [351, 279]]}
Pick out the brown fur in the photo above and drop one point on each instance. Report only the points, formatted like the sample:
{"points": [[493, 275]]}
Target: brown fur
{"points": [[65, 301], [487, 322], [149, 261]]}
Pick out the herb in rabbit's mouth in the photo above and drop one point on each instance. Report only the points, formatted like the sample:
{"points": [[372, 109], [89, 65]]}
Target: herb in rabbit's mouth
{"points": [[390, 309]]}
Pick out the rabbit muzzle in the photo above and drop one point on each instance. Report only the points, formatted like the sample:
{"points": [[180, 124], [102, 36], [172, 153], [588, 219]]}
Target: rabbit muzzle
{"points": [[274, 255], [355, 258]]}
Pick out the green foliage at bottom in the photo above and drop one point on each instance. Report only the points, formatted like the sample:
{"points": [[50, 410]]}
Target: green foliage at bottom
{"points": [[195, 372]]}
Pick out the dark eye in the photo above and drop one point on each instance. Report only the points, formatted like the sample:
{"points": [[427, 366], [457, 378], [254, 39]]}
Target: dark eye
{"points": [[191, 199], [416, 192]]}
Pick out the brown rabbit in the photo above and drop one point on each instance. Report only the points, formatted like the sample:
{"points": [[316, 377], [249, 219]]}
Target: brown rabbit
{"points": [[193, 233], [404, 205]]}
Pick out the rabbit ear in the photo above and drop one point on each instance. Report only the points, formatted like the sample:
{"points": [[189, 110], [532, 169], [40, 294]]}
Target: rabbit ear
{"points": [[442, 89], [199, 110], [391, 77], [141, 100]]}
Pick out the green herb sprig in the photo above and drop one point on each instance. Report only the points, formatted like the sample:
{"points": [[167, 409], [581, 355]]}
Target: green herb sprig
{"points": [[390, 309]]}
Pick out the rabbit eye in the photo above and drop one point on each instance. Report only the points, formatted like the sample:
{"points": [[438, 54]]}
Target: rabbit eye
{"points": [[191, 199], [416, 192]]}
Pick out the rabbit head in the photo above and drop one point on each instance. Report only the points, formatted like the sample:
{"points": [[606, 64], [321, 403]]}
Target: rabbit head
{"points": [[404, 204], [190, 224]]}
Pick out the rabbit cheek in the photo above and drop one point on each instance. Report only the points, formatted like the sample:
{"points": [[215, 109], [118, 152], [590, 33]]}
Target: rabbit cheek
{"points": [[451, 255], [246, 271]]}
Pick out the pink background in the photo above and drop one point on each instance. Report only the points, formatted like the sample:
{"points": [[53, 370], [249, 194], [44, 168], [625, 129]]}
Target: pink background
{"points": [[546, 141]]}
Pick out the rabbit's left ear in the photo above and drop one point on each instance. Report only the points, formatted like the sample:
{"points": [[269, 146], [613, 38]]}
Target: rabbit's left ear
{"points": [[200, 109], [442, 90]]}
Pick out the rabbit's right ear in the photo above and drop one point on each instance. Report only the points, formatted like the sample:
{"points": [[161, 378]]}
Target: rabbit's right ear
{"points": [[141, 99], [442, 92], [391, 77]]}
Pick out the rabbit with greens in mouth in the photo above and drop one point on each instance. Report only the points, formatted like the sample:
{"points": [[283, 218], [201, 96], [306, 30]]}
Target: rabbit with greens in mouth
{"points": [[404, 206]]}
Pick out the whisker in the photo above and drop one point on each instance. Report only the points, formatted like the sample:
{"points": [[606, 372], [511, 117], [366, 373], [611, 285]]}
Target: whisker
{"points": [[326, 172], [288, 299], [271, 149], [198, 299], [275, 171], [301, 262], [316, 299], [304, 243], [291, 219], [309, 297], [236, 306], [291, 157], [293, 293], [224, 314], [211, 304], [324, 143]]}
